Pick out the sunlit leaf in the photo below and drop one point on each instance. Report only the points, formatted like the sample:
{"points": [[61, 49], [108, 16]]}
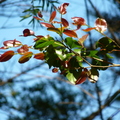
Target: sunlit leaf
{"points": [[70, 33], [6, 56], [60, 54], [52, 16], [23, 49], [26, 57], [72, 43], [46, 24], [39, 56], [82, 39], [62, 8], [54, 30], [93, 75], [64, 22], [101, 25], [42, 44], [71, 77], [12, 43], [88, 29]]}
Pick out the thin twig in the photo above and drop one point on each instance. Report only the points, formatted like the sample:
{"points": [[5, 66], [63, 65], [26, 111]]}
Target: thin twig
{"points": [[99, 101]]}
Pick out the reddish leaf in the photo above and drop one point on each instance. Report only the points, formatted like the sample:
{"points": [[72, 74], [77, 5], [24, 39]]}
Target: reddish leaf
{"points": [[40, 14], [62, 8], [52, 16], [101, 25], [40, 56], [78, 21], [46, 24], [6, 56], [82, 39], [82, 78], [23, 49], [88, 29], [25, 57], [12, 43], [70, 33], [37, 18], [65, 22]]}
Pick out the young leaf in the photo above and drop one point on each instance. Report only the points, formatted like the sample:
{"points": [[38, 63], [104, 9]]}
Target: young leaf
{"points": [[6, 56], [23, 49], [26, 57], [39, 56], [62, 8], [12, 43], [83, 76], [82, 39], [70, 33], [65, 22], [101, 25], [52, 16], [46, 24], [54, 30], [88, 29]]}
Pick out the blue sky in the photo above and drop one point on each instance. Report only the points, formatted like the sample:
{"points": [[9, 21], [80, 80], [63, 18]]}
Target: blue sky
{"points": [[11, 29]]}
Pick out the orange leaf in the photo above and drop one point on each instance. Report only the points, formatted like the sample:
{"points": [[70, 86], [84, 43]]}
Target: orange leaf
{"points": [[88, 29], [70, 33], [25, 57], [6, 56], [82, 39], [65, 22], [52, 16], [39, 56]]}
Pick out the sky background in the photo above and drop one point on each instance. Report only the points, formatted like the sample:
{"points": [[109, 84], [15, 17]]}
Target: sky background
{"points": [[11, 28]]}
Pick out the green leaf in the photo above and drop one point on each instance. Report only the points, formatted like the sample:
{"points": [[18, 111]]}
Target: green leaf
{"points": [[72, 43], [60, 54], [71, 77], [103, 42], [57, 44], [51, 58]]}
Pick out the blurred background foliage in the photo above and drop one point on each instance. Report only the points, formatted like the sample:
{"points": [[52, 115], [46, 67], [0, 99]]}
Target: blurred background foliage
{"points": [[32, 92]]}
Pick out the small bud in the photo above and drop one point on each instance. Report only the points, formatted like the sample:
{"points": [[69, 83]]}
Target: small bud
{"points": [[55, 70]]}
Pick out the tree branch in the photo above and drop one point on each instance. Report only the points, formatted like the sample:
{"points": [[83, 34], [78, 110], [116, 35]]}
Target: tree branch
{"points": [[94, 114]]}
